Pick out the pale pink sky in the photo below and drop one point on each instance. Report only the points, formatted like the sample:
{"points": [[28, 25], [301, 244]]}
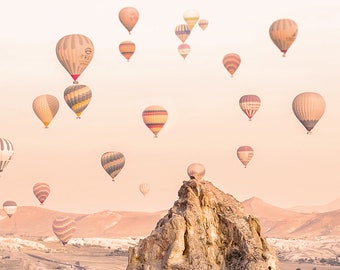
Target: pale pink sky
{"points": [[205, 122]]}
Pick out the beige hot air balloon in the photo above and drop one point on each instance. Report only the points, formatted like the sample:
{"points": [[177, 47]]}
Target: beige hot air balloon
{"points": [[77, 97], [203, 23], [154, 118], [129, 16], [245, 154], [10, 207], [144, 188], [250, 104], [6, 153], [196, 171], [309, 107], [75, 53], [64, 228], [231, 62], [45, 107], [283, 33], [191, 16]]}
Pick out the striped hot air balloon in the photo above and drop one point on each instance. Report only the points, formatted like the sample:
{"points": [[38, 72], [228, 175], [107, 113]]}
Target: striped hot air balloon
{"points": [[6, 153], [250, 104], [245, 154], [203, 23], [45, 107], [283, 33], [10, 207], [182, 31], [113, 163], [154, 118], [64, 228], [77, 97], [231, 62], [196, 171], [128, 16], [127, 49], [184, 49], [75, 53], [191, 16], [144, 188], [308, 108], [41, 191]]}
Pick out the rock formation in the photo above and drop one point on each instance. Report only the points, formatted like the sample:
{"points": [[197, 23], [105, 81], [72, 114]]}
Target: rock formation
{"points": [[206, 229]]}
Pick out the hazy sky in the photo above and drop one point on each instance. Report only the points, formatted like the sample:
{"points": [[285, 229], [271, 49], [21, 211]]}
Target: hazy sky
{"points": [[205, 121]]}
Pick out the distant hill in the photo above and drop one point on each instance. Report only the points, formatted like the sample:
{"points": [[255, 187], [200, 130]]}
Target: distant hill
{"points": [[332, 206]]}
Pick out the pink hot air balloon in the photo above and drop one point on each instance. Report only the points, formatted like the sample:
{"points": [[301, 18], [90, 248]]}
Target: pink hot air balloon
{"points": [[250, 104], [245, 154], [184, 50], [129, 16]]}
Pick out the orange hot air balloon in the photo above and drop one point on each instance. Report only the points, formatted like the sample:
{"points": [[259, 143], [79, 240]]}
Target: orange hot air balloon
{"points": [[129, 16], [144, 188], [250, 104], [75, 53], [45, 107], [203, 23], [10, 207], [231, 62], [64, 228], [283, 33], [182, 31], [184, 49], [308, 108], [196, 171], [77, 97], [155, 117], [41, 191], [127, 49], [191, 16], [113, 162], [245, 154]]}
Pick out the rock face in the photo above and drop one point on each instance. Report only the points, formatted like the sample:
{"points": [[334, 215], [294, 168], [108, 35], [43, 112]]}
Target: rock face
{"points": [[206, 229]]}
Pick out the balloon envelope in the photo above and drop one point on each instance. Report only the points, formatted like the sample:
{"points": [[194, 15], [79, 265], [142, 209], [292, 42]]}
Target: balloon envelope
{"points": [[196, 171], [245, 154], [182, 31], [77, 97], [184, 49], [127, 49], [283, 33], [154, 118], [129, 16], [41, 191], [6, 153], [250, 104], [191, 16], [10, 207], [75, 53], [64, 228], [45, 107], [308, 108], [113, 162], [231, 62], [203, 23], [144, 188]]}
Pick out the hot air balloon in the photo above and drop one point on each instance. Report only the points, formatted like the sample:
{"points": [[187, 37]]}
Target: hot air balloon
{"points": [[231, 62], [155, 117], [127, 49], [113, 163], [196, 171], [309, 107], [6, 153], [144, 188], [41, 191], [182, 31], [45, 107], [10, 207], [184, 49], [245, 154], [64, 228], [191, 16], [249, 105], [77, 97], [129, 16], [203, 23], [75, 53], [283, 33]]}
